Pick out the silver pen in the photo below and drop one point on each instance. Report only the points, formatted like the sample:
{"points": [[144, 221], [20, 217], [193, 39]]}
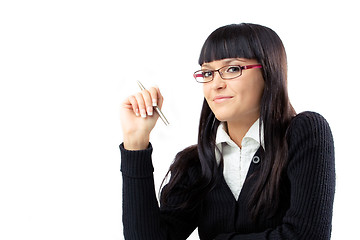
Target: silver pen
{"points": [[157, 109]]}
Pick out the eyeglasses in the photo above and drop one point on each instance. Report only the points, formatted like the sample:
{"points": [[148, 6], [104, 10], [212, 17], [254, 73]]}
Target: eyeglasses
{"points": [[226, 72]]}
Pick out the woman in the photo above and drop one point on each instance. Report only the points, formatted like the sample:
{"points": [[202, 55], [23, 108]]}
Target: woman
{"points": [[259, 170]]}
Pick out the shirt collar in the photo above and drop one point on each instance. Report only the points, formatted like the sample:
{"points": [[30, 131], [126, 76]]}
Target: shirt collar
{"points": [[253, 133]]}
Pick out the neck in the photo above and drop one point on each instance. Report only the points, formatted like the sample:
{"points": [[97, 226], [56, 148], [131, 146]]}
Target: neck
{"points": [[238, 129]]}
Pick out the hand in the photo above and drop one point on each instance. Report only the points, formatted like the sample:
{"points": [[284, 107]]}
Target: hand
{"points": [[138, 117]]}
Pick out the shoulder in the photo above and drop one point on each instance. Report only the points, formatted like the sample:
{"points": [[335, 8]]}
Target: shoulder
{"points": [[187, 162], [309, 118], [309, 123], [188, 153], [184, 171], [309, 135]]}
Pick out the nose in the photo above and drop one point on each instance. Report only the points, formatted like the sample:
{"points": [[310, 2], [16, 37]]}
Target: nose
{"points": [[218, 82]]}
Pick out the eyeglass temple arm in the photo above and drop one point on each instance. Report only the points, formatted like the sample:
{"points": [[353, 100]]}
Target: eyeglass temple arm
{"points": [[251, 66]]}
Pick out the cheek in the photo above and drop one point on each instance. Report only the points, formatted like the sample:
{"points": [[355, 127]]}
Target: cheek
{"points": [[206, 91], [250, 94], [254, 95], [255, 88]]}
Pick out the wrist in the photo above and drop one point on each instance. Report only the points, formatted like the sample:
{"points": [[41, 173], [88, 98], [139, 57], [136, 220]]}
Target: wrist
{"points": [[134, 142]]}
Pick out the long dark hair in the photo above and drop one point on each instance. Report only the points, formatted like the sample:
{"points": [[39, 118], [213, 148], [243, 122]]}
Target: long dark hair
{"points": [[250, 41]]}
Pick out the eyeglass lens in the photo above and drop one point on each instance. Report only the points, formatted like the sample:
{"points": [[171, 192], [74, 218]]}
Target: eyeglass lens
{"points": [[227, 72]]}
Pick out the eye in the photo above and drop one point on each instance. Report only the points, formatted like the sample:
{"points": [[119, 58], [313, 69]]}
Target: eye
{"points": [[233, 69], [207, 74]]}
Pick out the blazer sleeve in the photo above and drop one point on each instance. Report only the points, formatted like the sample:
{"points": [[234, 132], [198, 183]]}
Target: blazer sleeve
{"points": [[142, 217], [311, 171]]}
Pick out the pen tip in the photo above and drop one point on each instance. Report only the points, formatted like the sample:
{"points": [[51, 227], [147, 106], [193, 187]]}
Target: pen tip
{"points": [[140, 85]]}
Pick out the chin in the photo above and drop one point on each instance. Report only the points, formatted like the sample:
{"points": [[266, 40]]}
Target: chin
{"points": [[222, 117], [227, 116], [225, 113]]}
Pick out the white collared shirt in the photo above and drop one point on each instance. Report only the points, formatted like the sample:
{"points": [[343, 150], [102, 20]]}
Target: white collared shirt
{"points": [[237, 160]]}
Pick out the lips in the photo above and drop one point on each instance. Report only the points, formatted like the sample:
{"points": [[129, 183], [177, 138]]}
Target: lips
{"points": [[219, 99]]}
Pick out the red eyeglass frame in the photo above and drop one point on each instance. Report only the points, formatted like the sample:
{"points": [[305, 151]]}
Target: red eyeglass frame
{"points": [[196, 74]]}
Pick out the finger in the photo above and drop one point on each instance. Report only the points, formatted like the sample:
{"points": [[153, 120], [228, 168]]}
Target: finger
{"points": [[134, 105], [141, 104], [154, 96], [148, 102], [160, 98]]}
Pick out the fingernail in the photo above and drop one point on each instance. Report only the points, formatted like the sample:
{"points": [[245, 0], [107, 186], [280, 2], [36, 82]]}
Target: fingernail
{"points": [[137, 112], [154, 102], [150, 111], [143, 113]]}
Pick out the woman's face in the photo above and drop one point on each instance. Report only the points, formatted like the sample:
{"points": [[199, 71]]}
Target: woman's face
{"points": [[236, 99]]}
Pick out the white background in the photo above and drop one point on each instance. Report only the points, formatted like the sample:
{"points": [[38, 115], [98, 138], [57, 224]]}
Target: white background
{"points": [[65, 67]]}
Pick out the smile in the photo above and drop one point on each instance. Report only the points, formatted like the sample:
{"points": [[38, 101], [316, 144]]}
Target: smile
{"points": [[220, 99]]}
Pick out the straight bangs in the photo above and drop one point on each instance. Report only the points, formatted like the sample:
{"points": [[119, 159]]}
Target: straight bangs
{"points": [[229, 41]]}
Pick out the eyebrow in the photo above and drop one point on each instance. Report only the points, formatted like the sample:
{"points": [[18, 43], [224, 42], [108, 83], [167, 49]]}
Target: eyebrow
{"points": [[226, 61]]}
